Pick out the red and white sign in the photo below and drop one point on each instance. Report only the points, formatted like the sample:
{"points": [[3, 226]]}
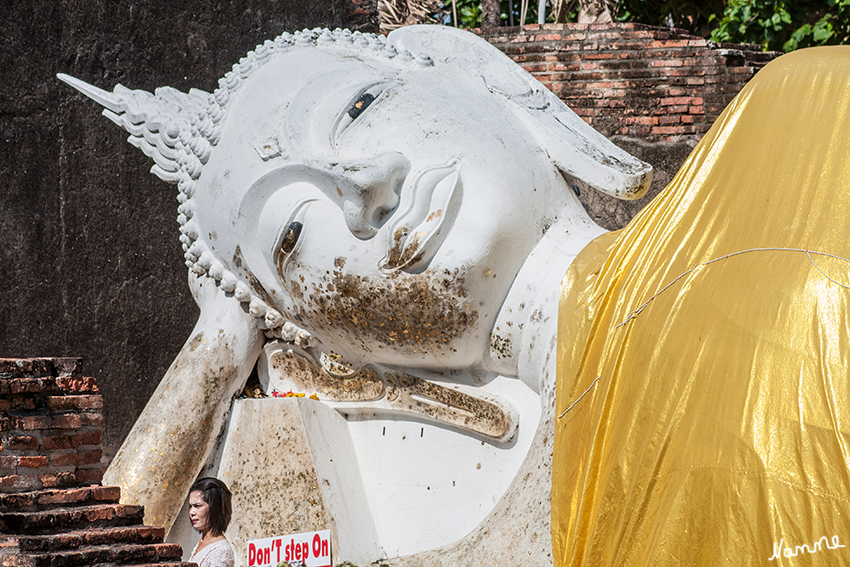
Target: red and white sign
{"points": [[313, 549]]}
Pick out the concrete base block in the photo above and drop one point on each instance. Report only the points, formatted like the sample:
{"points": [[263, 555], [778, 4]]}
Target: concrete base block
{"points": [[290, 465]]}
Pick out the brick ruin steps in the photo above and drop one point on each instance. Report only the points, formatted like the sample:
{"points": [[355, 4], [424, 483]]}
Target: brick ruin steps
{"points": [[53, 512]]}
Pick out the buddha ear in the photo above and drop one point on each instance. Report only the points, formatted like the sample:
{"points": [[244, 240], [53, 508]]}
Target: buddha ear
{"points": [[575, 148]]}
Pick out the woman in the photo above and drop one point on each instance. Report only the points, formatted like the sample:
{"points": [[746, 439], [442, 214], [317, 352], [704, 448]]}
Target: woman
{"points": [[209, 511]]}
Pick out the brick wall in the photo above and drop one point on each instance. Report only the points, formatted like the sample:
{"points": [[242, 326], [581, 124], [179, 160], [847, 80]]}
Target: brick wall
{"points": [[657, 84], [363, 16], [52, 510], [51, 424]]}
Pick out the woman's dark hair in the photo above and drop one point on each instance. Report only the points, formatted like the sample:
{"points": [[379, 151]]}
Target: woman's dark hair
{"points": [[217, 496]]}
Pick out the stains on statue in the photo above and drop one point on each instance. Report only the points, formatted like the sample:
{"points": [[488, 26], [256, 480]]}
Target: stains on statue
{"points": [[241, 268], [305, 375], [447, 405], [500, 346], [197, 341], [396, 390], [171, 447], [413, 313]]}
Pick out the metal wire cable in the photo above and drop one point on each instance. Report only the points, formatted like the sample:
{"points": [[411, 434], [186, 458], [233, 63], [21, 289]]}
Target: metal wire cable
{"points": [[634, 313], [808, 253]]}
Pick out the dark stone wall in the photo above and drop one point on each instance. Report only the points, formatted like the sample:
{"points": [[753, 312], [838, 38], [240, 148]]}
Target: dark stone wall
{"points": [[91, 263]]}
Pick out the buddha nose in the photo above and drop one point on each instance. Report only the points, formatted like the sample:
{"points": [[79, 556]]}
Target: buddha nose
{"points": [[368, 190]]}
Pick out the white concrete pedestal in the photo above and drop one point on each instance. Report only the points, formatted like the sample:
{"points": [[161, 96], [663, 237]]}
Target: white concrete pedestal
{"points": [[295, 470]]}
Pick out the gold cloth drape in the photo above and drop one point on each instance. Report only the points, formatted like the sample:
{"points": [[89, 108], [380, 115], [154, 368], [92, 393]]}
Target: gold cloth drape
{"points": [[718, 431]]}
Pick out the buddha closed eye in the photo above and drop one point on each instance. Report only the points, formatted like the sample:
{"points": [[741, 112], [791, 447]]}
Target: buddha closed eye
{"points": [[361, 103], [289, 237], [293, 231]]}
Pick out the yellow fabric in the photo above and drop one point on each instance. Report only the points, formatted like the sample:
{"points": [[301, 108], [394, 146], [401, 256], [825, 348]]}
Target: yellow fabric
{"points": [[720, 422]]}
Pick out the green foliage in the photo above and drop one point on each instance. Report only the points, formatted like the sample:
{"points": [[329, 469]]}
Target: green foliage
{"points": [[469, 13], [776, 25], [784, 25], [691, 15]]}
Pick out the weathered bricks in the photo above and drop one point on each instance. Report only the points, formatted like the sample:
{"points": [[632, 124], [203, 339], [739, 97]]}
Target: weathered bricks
{"points": [[113, 554], [44, 499], [84, 476], [32, 462], [22, 442], [40, 367], [50, 424], [91, 537], [610, 72], [362, 15], [70, 441], [45, 521], [57, 479], [65, 403], [52, 511]]}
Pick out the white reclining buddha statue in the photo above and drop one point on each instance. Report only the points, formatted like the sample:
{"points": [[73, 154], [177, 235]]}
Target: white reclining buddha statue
{"points": [[389, 225]]}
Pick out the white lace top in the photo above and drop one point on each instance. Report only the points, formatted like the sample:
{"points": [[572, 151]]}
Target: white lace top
{"points": [[218, 554]]}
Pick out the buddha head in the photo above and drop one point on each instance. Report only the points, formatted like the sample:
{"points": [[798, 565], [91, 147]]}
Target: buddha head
{"points": [[379, 193]]}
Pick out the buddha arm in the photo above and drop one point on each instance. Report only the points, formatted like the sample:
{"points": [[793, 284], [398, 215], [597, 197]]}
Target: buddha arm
{"points": [[173, 437]]}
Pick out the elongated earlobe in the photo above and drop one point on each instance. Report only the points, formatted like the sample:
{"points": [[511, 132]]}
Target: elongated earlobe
{"points": [[582, 152]]}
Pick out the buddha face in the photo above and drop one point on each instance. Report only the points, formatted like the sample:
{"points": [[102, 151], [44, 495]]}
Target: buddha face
{"points": [[382, 201], [400, 207], [385, 206]]}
